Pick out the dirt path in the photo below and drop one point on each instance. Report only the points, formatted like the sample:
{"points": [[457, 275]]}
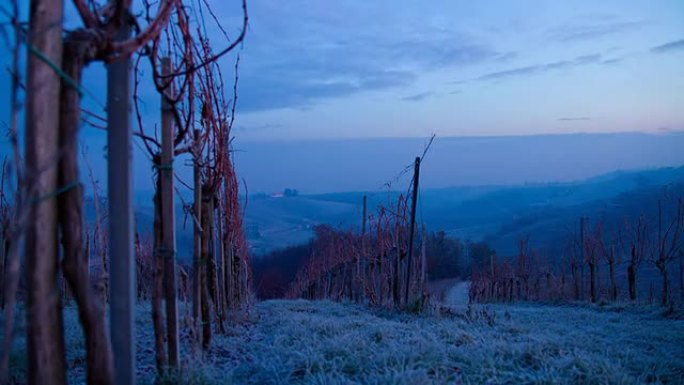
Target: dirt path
{"points": [[458, 294]]}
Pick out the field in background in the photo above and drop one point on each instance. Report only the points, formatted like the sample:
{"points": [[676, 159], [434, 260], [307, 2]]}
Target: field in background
{"points": [[496, 214], [305, 342], [500, 215]]}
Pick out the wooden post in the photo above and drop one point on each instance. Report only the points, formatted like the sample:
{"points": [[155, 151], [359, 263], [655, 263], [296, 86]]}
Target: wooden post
{"points": [[581, 261], [423, 260], [205, 261], [359, 281], [3, 258], [44, 334], [119, 187], [169, 220], [158, 278], [221, 267], [197, 232], [365, 215], [681, 277], [412, 228]]}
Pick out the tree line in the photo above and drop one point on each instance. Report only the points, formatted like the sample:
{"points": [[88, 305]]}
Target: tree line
{"points": [[599, 259]]}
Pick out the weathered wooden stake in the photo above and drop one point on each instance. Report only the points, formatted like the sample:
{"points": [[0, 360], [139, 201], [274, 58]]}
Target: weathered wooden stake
{"points": [[119, 187], [360, 274], [44, 334], [169, 220], [412, 228], [197, 232]]}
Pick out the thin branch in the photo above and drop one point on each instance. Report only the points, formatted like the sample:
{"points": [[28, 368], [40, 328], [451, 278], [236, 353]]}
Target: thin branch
{"points": [[230, 47]]}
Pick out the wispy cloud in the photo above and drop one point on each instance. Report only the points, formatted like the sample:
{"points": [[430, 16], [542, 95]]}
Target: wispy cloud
{"points": [[589, 31], [297, 65], [575, 119], [260, 127], [507, 56], [613, 61], [418, 97], [676, 45], [306, 75], [541, 68]]}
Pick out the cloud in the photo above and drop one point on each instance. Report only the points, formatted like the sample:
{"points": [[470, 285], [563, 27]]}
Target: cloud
{"points": [[418, 97], [300, 64], [303, 76], [506, 57], [300, 91], [669, 47], [541, 68], [574, 119], [613, 61], [260, 127], [590, 31]]}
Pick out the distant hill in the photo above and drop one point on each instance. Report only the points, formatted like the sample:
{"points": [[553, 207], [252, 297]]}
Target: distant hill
{"points": [[548, 213], [499, 215]]}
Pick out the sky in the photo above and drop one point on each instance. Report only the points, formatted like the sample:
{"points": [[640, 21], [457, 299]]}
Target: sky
{"points": [[358, 69], [354, 71]]}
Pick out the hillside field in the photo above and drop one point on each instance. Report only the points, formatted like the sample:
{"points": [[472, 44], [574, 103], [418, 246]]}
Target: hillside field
{"points": [[304, 342]]}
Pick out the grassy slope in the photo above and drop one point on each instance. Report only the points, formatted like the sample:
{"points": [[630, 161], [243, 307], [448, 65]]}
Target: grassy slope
{"points": [[327, 343]]}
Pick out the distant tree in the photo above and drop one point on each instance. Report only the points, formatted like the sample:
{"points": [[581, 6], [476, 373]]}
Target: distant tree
{"points": [[479, 254], [444, 256], [592, 244], [668, 243], [611, 257], [635, 242], [274, 271]]}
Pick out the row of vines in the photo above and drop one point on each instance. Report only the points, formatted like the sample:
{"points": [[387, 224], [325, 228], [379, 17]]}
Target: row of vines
{"points": [[379, 265], [600, 263], [107, 264]]}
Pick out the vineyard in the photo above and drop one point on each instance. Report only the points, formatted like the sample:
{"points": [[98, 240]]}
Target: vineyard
{"points": [[598, 264], [108, 301], [380, 268], [106, 267]]}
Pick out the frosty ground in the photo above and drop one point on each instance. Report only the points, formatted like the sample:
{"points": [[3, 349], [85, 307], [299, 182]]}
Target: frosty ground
{"points": [[306, 342]]}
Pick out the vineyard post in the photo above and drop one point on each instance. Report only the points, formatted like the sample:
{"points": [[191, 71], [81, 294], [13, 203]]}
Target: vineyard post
{"points": [[423, 259], [581, 261], [168, 219], [416, 175], [681, 277], [360, 279], [122, 266], [44, 335], [197, 233]]}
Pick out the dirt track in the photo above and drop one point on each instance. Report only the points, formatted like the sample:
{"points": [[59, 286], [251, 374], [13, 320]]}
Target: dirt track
{"points": [[458, 294]]}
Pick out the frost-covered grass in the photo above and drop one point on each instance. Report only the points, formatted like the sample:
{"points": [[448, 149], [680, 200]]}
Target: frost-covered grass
{"points": [[329, 343]]}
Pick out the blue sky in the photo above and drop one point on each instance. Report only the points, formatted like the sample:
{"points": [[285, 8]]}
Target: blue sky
{"points": [[361, 69], [315, 69], [358, 69]]}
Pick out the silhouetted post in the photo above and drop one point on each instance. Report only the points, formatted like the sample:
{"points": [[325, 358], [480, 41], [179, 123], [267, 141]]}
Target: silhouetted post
{"points": [[581, 261], [423, 259], [681, 277], [197, 233], [360, 279], [119, 187], [44, 335], [412, 228], [169, 219]]}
